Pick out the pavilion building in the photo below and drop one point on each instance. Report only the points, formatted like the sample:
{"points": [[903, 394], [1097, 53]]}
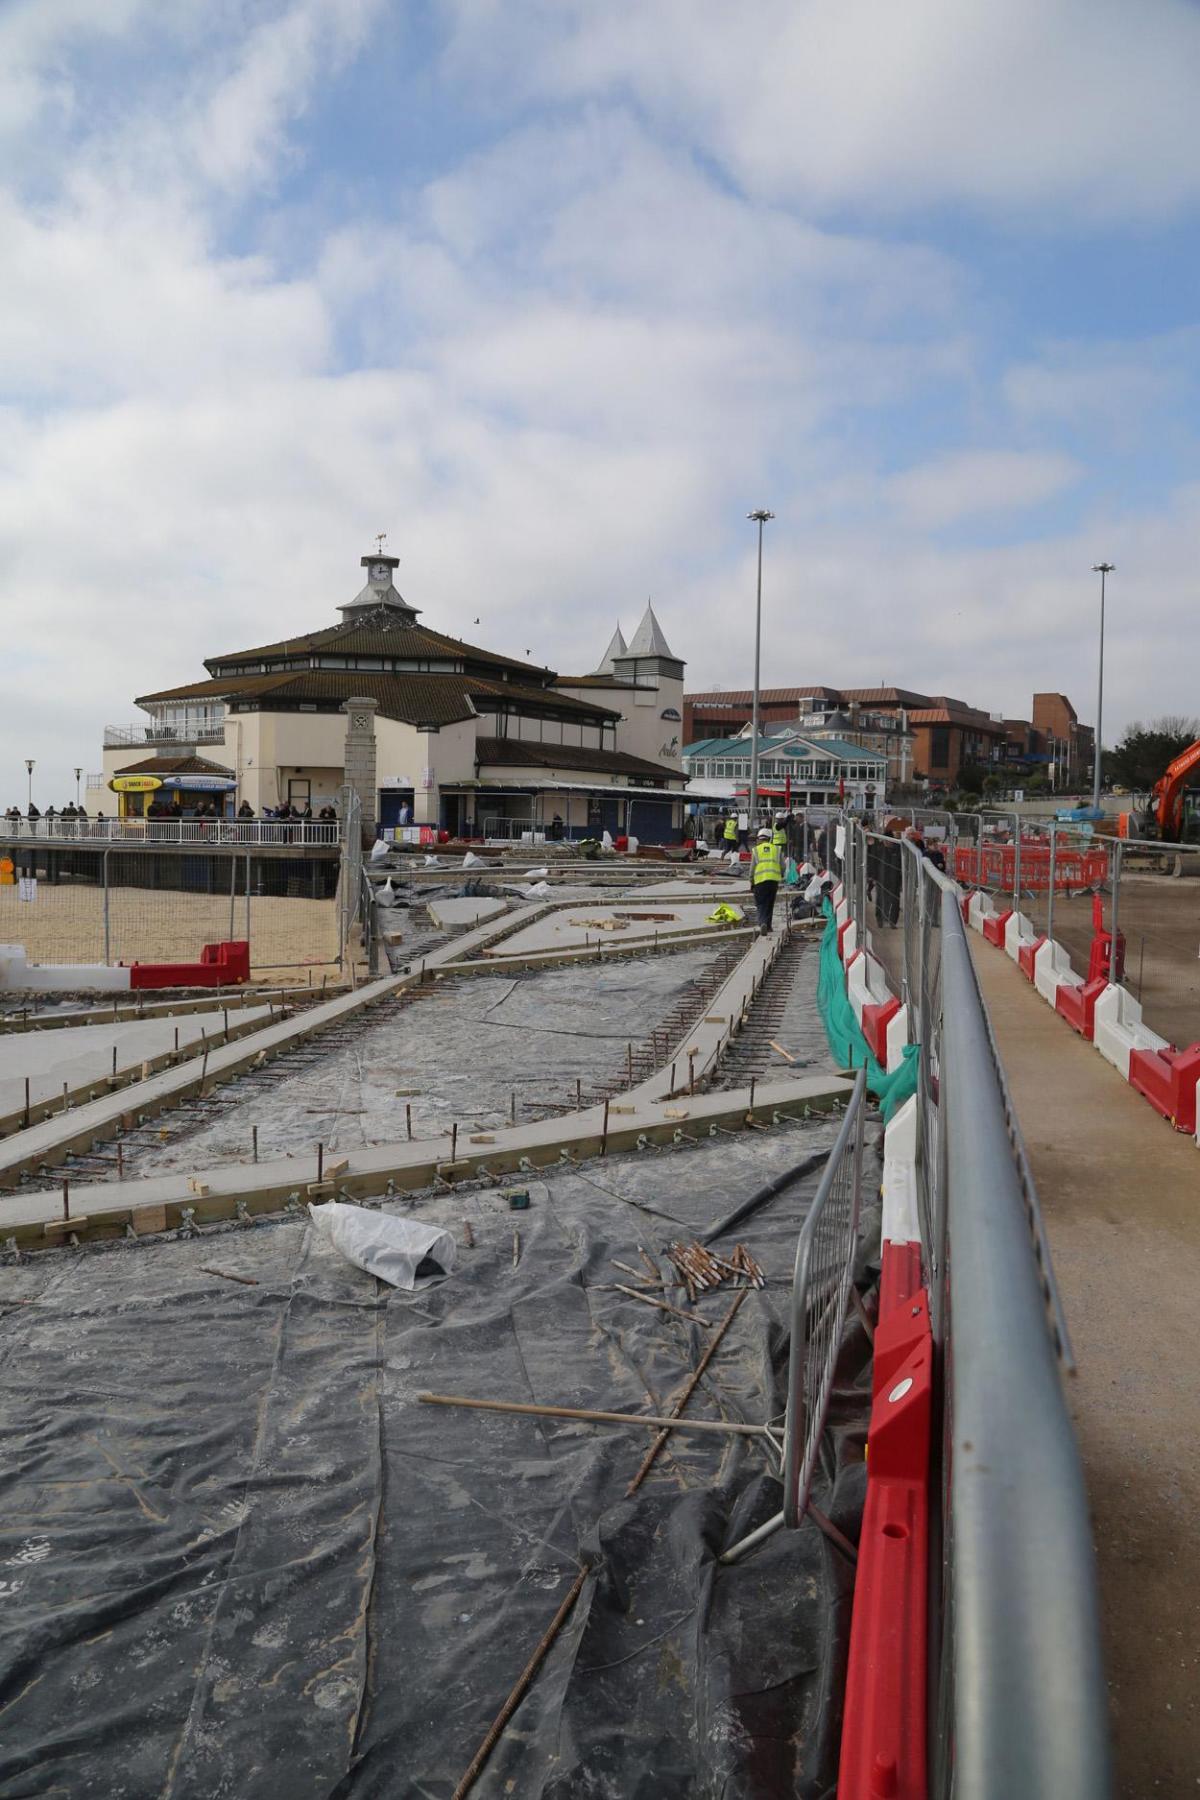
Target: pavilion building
{"points": [[458, 737]]}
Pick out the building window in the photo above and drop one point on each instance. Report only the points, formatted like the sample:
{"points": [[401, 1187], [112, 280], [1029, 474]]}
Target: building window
{"points": [[939, 747]]}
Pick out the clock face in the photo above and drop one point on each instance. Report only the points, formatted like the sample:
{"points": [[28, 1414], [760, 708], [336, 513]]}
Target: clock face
{"points": [[379, 572]]}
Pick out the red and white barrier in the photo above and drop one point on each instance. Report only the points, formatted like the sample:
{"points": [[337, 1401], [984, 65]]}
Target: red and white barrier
{"points": [[883, 1738], [18, 973], [1100, 1010], [220, 965], [1118, 1029]]}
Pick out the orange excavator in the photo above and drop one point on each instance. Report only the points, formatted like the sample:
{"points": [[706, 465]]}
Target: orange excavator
{"points": [[1164, 816]]}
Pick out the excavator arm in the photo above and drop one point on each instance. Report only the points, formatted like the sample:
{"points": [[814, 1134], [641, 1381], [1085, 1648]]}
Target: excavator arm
{"points": [[1167, 804]]}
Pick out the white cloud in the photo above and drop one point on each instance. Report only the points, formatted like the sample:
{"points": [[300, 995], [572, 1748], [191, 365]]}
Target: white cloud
{"points": [[970, 484], [1033, 104], [559, 372]]}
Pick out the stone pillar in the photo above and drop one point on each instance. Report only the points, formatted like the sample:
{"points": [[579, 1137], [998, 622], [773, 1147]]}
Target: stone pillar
{"points": [[360, 756], [426, 795]]}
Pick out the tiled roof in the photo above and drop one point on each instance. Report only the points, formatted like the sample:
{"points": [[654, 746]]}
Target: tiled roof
{"points": [[745, 696], [956, 714], [519, 753], [412, 699], [175, 765], [376, 636]]}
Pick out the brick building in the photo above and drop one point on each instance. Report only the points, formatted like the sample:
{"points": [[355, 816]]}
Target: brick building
{"points": [[929, 737]]}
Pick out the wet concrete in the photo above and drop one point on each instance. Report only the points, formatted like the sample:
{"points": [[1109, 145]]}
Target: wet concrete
{"points": [[457, 1054]]}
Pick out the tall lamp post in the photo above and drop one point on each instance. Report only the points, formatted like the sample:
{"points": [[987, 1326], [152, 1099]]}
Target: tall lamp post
{"points": [[29, 772], [78, 778], [1102, 569], [760, 518]]}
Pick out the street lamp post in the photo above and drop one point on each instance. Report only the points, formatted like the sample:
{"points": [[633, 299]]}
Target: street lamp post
{"points": [[78, 778], [29, 772], [1102, 569], [760, 518]]}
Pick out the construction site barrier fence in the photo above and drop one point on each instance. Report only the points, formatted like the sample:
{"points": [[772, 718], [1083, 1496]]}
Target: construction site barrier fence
{"points": [[1017, 1702], [820, 1301]]}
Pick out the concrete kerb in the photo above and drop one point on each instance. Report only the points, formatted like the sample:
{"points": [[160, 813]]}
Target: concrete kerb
{"points": [[697, 1054], [604, 952], [129, 1076], [209, 1000], [160, 1203], [51, 1142]]}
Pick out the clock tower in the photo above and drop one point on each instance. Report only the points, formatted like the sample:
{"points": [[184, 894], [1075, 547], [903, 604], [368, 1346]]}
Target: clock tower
{"points": [[379, 600]]}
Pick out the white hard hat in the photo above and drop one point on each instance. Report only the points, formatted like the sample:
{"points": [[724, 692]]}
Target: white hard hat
{"points": [[765, 832]]}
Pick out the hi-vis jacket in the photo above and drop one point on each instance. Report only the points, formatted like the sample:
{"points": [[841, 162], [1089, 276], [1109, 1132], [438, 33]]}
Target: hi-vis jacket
{"points": [[766, 864]]}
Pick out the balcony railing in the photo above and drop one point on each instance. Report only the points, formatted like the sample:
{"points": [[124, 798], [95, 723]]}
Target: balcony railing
{"points": [[122, 737], [200, 832]]}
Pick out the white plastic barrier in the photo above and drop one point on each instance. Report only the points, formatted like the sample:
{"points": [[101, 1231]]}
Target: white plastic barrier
{"points": [[1052, 970], [850, 941], [897, 1039], [898, 1185], [16, 971], [1018, 930], [979, 908], [866, 983], [1119, 1029]]}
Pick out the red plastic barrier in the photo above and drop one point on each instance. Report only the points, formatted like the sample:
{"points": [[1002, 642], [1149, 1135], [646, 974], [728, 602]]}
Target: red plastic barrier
{"points": [[875, 1021], [1168, 1080], [883, 1734], [994, 866], [220, 965], [993, 926], [1026, 954], [1078, 1005]]}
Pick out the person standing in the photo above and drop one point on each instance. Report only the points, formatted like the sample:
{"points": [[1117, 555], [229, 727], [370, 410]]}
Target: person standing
{"points": [[730, 833], [766, 873]]}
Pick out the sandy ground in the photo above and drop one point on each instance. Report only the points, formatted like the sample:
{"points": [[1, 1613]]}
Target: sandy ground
{"points": [[66, 925], [1119, 1192]]}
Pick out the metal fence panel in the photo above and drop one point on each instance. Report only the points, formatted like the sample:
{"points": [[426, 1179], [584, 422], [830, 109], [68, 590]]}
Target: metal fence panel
{"points": [[820, 1299]]}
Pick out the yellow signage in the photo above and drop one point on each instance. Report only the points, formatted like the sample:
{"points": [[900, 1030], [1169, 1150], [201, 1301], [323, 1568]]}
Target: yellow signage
{"points": [[134, 784]]}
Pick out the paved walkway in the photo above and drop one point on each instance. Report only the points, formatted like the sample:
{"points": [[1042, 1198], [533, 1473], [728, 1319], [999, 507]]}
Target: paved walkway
{"points": [[1121, 1195]]}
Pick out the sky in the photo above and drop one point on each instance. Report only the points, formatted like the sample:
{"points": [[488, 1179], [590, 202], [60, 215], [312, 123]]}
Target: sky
{"points": [[554, 293]]}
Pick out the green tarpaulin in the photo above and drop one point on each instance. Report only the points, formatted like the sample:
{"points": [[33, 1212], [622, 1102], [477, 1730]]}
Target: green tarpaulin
{"points": [[846, 1041]]}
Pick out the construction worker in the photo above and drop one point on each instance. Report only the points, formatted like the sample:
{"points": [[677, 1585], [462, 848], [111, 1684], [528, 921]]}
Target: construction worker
{"points": [[766, 873], [731, 832], [779, 836]]}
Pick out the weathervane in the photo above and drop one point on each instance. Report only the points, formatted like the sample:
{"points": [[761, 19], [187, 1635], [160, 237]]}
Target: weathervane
{"points": [[380, 541]]}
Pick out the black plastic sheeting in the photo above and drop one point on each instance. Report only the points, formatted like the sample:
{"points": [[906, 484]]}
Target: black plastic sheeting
{"points": [[239, 1558]]}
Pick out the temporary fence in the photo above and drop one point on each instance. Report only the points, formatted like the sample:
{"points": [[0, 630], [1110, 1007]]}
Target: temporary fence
{"points": [[1015, 1687], [116, 903], [1052, 873], [820, 1300]]}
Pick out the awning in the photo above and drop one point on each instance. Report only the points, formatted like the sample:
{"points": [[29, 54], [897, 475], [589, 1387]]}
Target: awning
{"points": [[200, 784]]}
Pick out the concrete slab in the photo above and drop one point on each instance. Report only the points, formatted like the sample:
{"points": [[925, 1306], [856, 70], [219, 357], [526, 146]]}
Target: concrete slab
{"points": [[51, 1141], [86, 1056], [459, 914], [611, 922], [101, 1207]]}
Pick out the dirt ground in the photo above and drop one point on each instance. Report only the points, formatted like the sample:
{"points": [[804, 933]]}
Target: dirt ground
{"points": [[1160, 918], [66, 925]]}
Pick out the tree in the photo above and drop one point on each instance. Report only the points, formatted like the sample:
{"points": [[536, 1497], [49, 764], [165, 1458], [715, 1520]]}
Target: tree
{"points": [[1145, 750]]}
